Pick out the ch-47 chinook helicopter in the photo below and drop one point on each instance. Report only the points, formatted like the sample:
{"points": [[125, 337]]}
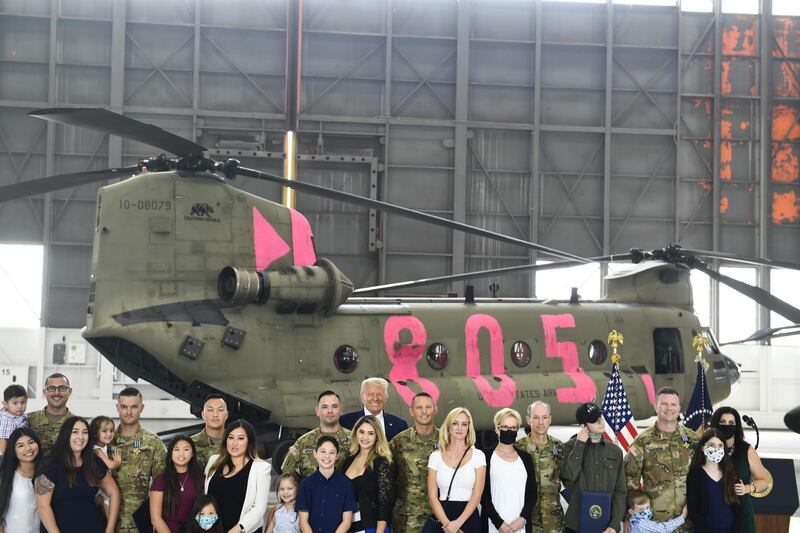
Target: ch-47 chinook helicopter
{"points": [[200, 287]]}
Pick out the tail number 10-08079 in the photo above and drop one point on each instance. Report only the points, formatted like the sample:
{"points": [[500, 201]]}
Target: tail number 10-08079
{"points": [[146, 205]]}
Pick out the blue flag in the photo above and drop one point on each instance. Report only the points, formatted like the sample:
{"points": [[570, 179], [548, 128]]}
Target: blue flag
{"points": [[699, 410]]}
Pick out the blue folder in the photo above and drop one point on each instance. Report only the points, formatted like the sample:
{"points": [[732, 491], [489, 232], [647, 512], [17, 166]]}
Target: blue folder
{"points": [[595, 511]]}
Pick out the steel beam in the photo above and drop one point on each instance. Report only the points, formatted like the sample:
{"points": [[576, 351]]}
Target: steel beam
{"points": [[388, 7], [607, 125], [49, 166], [676, 196], [716, 191], [461, 152], [117, 96], [198, 17], [764, 151]]}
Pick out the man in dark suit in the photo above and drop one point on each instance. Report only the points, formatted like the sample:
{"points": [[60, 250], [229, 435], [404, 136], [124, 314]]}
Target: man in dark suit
{"points": [[374, 392]]}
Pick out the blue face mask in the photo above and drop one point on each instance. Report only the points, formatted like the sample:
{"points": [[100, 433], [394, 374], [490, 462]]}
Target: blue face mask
{"points": [[644, 514], [206, 522]]}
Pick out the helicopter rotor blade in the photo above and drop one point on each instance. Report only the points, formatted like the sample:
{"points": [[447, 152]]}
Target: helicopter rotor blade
{"points": [[533, 267], [325, 192], [742, 259], [115, 124], [769, 333], [62, 181], [761, 296]]}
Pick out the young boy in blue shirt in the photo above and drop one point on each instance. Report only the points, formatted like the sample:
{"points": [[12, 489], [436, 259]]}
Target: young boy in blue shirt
{"points": [[641, 516], [326, 500]]}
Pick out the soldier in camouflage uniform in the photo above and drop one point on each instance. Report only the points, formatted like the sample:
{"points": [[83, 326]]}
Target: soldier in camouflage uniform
{"points": [[300, 458], [143, 457], [206, 442], [47, 422], [659, 458], [547, 454], [410, 451]]}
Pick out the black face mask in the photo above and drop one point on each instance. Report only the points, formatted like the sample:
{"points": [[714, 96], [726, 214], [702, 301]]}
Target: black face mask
{"points": [[727, 431], [508, 436]]}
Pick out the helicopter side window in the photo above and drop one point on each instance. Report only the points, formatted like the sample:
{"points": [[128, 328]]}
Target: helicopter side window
{"points": [[597, 352], [521, 354], [668, 351], [345, 358], [437, 356]]}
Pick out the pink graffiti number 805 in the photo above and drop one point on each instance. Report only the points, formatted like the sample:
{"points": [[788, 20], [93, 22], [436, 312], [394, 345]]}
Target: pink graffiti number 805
{"points": [[404, 357], [584, 389], [504, 395]]}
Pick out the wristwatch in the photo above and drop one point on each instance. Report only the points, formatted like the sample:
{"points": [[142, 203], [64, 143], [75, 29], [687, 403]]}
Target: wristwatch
{"points": [[241, 528]]}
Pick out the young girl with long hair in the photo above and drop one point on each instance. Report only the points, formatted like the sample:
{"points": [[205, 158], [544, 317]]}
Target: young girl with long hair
{"points": [[101, 433], [173, 492], [67, 483], [204, 517], [283, 517], [710, 493], [369, 468], [17, 501]]}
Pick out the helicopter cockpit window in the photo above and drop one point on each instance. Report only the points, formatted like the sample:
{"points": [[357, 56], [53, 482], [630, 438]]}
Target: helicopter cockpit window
{"points": [[668, 351], [598, 352], [437, 356], [520, 353], [345, 358]]}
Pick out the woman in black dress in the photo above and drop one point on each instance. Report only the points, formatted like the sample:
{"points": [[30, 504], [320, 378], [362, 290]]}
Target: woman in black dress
{"points": [[238, 480], [369, 467], [67, 482]]}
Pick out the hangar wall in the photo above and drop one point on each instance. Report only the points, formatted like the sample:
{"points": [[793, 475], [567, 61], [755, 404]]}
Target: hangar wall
{"points": [[590, 128]]}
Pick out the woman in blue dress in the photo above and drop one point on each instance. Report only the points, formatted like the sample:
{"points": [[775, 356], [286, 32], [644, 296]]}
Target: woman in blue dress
{"points": [[67, 482]]}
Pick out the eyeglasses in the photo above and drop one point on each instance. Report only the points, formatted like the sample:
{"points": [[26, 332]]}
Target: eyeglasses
{"points": [[60, 388], [508, 428]]}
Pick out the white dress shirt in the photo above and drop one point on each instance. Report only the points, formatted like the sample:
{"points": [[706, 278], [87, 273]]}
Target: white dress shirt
{"points": [[379, 416]]}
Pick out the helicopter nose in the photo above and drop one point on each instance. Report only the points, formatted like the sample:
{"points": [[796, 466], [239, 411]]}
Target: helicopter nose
{"points": [[733, 369]]}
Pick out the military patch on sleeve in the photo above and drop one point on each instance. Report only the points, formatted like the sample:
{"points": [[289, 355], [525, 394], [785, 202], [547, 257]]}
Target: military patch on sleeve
{"points": [[633, 450]]}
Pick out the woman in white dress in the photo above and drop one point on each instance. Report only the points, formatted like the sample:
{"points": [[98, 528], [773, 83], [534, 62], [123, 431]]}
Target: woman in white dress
{"points": [[510, 491], [17, 500], [456, 472]]}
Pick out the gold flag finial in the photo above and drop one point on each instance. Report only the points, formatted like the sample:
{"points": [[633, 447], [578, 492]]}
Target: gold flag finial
{"points": [[615, 338], [699, 342]]}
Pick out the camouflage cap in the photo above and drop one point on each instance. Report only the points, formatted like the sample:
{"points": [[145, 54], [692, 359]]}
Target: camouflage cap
{"points": [[587, 413]]}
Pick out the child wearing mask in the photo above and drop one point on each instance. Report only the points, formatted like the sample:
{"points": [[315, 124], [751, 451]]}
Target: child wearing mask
{"points": [[205, 513], [641, 516], [710, 487]]}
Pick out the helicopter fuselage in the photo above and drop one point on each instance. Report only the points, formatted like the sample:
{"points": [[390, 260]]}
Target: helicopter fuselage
{"points": [[156, 311]]}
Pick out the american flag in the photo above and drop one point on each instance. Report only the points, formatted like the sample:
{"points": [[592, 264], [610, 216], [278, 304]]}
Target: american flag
{"points": [[620, 425]]}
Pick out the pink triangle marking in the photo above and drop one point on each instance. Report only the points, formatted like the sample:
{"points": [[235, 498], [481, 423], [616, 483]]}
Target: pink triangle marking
{"points": [[268, 245], [304, 254]]}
